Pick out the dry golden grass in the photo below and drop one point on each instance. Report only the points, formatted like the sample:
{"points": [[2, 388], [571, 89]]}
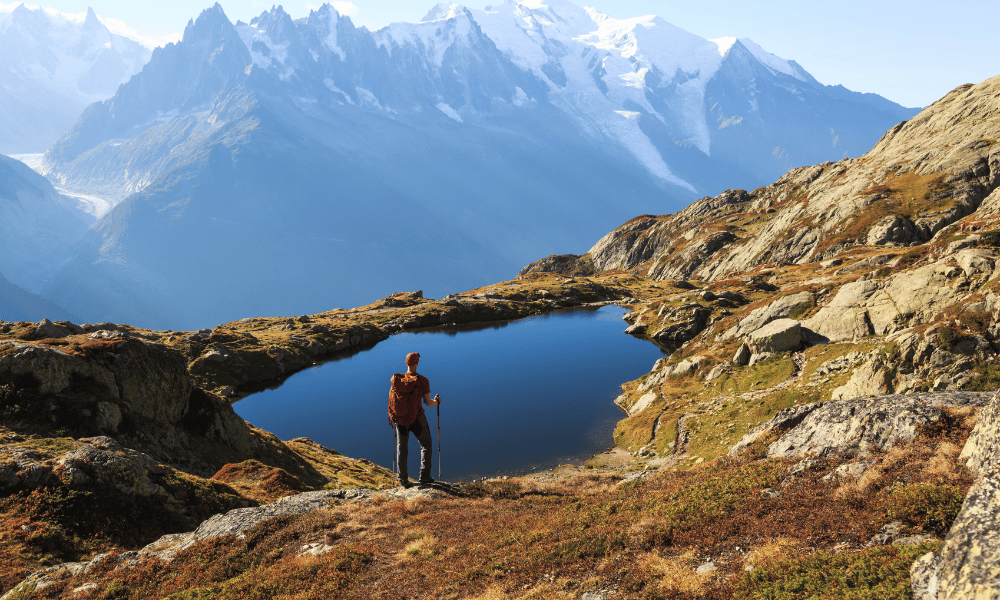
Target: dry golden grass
{"points": [[944, 461], [676, 574], [422, 544], [578, 485], [774, 550]]}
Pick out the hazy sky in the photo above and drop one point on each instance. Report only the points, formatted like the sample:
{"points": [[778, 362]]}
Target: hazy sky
{"points": [[910, 51]]}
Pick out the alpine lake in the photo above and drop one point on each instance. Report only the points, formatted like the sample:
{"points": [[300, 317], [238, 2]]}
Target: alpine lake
{"points": [[516, 396]]}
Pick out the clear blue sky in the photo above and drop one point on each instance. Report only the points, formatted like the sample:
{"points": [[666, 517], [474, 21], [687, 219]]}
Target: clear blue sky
{"points": [[910, 51]]}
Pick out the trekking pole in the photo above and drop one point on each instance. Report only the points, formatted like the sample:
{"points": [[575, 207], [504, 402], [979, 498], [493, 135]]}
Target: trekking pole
{"points": [[395, 470], [438, 398]]}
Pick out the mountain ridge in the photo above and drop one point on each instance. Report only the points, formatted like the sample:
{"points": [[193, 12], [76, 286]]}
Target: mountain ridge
{"points": [[490, 151], [52, 66]]}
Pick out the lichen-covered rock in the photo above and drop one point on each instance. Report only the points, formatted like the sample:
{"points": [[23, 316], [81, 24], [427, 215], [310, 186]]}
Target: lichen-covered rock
{"points": [[97, 461], [780, 335], [894, 228], [968, 564], [861, 424], [779, 309], [872, 378]]}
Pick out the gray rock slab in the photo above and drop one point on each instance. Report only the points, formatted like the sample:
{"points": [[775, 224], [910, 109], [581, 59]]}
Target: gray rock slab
{"points": [[855, 424], [779, 335]]}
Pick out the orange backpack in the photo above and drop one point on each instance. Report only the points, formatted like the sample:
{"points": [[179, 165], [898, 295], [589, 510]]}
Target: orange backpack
{"points": [[404, 398]]}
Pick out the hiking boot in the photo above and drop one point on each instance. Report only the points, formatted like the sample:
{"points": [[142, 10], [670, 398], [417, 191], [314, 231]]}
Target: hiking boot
{"points": [[405, 482], [426, 479]]}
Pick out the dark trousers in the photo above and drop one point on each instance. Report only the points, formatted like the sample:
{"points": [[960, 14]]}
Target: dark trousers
{"points": [[423, 433]]}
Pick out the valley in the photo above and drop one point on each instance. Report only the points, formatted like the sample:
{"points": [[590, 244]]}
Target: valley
{"points": [[820, 414]]}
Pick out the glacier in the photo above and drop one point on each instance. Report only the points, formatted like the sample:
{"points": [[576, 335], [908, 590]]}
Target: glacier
{"points": [[286, 166]]}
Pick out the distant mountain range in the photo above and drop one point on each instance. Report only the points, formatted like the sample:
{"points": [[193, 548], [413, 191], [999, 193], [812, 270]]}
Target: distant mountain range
{"points": [[51, 67], [38, 225], [290, 166]]}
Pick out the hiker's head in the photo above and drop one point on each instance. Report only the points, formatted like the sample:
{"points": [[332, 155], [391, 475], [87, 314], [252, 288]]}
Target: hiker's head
{"points": [[412, 359]]}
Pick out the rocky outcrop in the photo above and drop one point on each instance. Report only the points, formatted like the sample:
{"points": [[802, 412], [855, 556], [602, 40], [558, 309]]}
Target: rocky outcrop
{"points": [[895, 229], [860, 424], [680, 324], [88, 462], [968, 564], [630, 245], [571, 265], [147, 380], [778, 309], [909, 298], [235, 522], [924, 175]]}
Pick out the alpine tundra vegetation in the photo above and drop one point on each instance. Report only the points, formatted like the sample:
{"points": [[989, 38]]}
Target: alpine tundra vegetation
{"points": [[826, 425]]}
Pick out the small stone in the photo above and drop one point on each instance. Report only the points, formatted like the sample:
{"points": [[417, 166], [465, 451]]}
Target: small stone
{"points": [[706, 568]]}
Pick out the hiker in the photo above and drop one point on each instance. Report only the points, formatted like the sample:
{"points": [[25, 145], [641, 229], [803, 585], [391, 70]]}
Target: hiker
{"points": [[406, 414]]}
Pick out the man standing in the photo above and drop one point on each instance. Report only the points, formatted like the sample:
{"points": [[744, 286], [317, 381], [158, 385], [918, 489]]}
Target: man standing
{"points": [[405, 394]]}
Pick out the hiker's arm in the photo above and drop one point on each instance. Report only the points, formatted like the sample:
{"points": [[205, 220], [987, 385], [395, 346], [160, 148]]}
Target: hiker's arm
{"points": [[429, 401]]}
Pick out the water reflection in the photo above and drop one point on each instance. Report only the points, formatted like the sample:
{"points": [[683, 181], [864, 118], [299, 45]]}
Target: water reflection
{"points": [[516, 396]]}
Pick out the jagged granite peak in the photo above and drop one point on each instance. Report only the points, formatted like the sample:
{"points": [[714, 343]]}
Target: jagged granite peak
{"points": [[472, 121], [443, 11], [53, 65], [178, 79], [639, 85]]}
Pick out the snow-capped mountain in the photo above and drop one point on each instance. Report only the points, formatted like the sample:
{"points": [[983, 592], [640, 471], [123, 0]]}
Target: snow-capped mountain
{"points": [[285, 166], [51, 67]]}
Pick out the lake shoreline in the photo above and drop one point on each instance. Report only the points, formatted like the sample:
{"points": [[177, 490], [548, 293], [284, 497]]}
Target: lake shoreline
{"points": [[521, 396]]}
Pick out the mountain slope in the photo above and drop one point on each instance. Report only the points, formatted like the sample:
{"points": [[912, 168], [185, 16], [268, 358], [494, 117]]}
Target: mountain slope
{"points": [[296, 206], [822, 304], [18, 304], [38, 226], [439, 155], [51, 67], [925, 174]]}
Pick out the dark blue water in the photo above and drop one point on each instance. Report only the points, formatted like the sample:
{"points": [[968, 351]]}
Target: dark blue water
{"points": [[517, 396]]}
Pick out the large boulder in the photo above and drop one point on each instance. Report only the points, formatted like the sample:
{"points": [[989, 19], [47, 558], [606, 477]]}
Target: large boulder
{"points": [[872, 378], [779, 309], [860, 424], [968, 564], [846, 316], [894, 228], [777, 336]]}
